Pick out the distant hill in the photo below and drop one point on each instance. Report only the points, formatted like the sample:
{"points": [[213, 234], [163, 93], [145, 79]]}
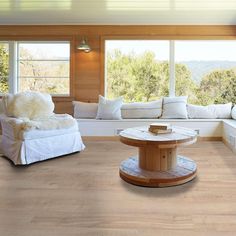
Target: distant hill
{"points": [[200, 68]]}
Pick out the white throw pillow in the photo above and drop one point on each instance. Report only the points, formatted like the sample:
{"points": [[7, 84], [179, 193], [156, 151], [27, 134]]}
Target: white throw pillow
{"points": [[175, 108], [214, 111], [140, 110], [233, 112], [199, 112], [31, 105], [85, 110], [109, 109], [221, 111]]}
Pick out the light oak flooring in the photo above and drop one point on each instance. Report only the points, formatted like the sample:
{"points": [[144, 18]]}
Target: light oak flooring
{"points": [[82, 194]]}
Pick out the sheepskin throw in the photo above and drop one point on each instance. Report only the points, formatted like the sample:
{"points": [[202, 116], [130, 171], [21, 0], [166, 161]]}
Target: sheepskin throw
{"points": [[30, 105], [57, 121]]}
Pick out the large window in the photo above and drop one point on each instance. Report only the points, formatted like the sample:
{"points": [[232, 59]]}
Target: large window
{"points": [[38, 66], [143, 70], [208, 69], [138, 70], [4, 67], [44, 67]]}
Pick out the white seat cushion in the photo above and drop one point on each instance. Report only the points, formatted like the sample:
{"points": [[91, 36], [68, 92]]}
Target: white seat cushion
{"points": [[142, 110], [221, 111], [199, 112], [214, 111]]}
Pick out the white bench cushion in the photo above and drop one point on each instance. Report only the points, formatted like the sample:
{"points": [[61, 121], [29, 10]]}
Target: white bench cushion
{"points": [[142, 110], [214, 111]]}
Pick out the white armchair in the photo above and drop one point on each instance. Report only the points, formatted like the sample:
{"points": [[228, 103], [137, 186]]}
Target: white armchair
{"points": [[31, 132]]}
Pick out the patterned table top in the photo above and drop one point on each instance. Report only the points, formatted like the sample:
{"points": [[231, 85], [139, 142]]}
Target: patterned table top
{"points": [[178, 135]]}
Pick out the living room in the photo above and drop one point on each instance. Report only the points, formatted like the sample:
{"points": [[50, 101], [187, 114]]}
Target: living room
{"points": [[90, 190]]}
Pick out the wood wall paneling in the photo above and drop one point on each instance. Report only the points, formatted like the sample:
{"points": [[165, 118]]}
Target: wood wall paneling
{"points": [[87, 69], [63, 107]]}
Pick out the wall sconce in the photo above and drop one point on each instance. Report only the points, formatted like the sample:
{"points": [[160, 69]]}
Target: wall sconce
{"points": [[84, 45]]}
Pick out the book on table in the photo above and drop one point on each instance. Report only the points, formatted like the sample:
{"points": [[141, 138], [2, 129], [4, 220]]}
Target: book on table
{"points": [[160, 126], [159, 131]]}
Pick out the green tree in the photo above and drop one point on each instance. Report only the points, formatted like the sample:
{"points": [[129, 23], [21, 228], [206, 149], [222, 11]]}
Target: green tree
{"points": [[119, 75], [150, 77], [185, 86], [229, 95], [219, 86], [4, 69], [143, 78]]}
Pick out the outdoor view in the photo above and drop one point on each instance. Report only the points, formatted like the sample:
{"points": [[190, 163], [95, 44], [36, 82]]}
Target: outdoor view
{"points": [[41, 66], [44, 67], [4, 67], [138, 70], [135, 71]]}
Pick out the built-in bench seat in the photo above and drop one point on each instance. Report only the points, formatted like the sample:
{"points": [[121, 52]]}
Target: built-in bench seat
{"points": [[204, 127], [215, 129], [229, 133]]}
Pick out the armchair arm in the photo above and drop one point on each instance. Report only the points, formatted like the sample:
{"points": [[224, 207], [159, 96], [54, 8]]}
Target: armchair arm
{"points": [[10, 126]]}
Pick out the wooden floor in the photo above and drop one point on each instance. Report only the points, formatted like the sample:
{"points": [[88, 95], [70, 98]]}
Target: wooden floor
{"points": [[82, 194]]}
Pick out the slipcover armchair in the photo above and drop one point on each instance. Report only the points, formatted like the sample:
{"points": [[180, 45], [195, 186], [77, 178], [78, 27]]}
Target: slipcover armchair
{"points": [[31, 132]]}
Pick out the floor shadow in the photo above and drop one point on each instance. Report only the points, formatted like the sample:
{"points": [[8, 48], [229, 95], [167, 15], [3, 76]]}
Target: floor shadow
{"points": [[159, 192], [37, 162]]}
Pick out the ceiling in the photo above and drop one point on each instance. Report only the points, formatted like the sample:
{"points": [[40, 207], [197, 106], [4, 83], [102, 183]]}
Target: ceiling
{"points": [[110, 12]]}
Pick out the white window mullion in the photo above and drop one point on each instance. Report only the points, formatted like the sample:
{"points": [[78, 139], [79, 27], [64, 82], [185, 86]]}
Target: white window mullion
{"points": [[13, 67], [172, 69], [105, 72]]}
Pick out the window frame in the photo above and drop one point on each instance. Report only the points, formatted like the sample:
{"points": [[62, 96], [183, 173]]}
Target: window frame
{"points": [[171, 60], [171, 39], [13, 41], [40, 42]]}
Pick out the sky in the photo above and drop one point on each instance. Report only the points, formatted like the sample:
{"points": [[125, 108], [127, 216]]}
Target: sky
{"points": [[47, 50], [201, 50]]}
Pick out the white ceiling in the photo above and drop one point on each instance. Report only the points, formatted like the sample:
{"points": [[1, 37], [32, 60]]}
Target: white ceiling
{"points": [[174, 12]]}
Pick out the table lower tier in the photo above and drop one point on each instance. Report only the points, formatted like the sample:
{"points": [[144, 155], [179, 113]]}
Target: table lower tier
{"points": [[184, 171]]}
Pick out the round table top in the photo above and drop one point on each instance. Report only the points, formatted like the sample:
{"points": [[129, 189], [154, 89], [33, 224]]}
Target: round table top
{"points": [[139, 136]]}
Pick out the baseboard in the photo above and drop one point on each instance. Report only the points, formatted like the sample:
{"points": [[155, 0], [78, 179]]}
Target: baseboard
{"points": [[100, 138], [209, 138]]}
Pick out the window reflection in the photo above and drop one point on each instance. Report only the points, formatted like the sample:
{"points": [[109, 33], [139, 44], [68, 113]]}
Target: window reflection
{"points": [[163, 5], [26, 5]]}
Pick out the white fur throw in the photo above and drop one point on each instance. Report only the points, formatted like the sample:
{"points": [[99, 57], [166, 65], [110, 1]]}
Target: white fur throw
{"points": [[57, 121], [31, 105]]}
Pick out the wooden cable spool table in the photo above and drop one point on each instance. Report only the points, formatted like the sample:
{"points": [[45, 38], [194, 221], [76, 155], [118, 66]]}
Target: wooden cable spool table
{"points": [[157, 163]]}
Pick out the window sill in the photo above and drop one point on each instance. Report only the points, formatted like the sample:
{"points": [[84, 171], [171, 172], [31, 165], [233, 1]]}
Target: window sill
{"points": [[62, 98]]}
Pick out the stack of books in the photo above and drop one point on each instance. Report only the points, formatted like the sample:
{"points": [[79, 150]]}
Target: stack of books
{"points": [[160, 128]]}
